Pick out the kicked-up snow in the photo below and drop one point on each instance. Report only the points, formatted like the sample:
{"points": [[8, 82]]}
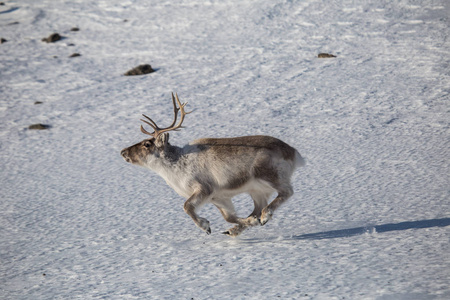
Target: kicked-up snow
{"points": [[370, 216]]}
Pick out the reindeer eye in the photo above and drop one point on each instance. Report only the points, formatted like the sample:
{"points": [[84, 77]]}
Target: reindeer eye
{"points": [[147, 144]]}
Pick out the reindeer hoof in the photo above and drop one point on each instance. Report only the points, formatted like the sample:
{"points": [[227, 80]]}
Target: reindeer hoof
{"points": [[204, 225], [235, 231], [253, 221], [266, 216]]}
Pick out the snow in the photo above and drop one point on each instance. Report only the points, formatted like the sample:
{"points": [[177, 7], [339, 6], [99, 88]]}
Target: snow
{"points": [[370, 215]]}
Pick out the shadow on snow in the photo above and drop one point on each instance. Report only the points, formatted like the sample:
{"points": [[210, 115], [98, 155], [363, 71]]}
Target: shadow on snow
{"points": [[372, 229], [9, 10]]}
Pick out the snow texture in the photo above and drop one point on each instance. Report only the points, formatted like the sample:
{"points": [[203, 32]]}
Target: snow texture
{"points": [[370, 215]]}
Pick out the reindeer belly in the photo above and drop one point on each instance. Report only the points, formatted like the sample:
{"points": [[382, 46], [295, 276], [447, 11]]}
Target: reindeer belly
{"points": [[252, 186]]}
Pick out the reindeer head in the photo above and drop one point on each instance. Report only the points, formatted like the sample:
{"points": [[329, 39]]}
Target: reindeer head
{"points": [[148, 151]]}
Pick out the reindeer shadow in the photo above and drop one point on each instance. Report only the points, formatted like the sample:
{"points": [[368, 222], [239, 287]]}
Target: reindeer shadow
{"points": [[342, 233]]}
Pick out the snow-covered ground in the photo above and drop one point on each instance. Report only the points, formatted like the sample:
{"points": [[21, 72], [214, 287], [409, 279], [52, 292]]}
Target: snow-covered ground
{"points": [[370, 217]]}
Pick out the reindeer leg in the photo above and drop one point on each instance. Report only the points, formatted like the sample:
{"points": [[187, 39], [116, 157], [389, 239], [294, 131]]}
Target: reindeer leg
{"points": [[284, 193], [226, 208], [190, 206], [260, 199]]}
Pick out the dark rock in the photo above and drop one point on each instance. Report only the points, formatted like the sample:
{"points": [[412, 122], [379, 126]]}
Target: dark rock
{"points": [[39, 126], [2, 40], [325, 55], [14, 23], [140, 70], [54, 37], [74, 29], [38, 102], [75, 55]]}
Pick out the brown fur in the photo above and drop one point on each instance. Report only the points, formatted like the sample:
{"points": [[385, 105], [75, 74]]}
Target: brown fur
{"points": [[241, 144]]}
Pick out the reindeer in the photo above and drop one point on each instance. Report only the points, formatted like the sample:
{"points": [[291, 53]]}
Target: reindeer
{"points": [[214, 170]]}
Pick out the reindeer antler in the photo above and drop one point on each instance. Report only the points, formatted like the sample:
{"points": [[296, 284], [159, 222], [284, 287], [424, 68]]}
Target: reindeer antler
{"points": [[157, 130]]}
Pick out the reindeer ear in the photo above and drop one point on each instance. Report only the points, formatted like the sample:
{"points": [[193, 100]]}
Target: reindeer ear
{"points": [[162, 140]]}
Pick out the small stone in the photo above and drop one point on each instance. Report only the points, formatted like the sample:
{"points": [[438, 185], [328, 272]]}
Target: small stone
{"points": [[75, 55], [39, 126], [38, 102], [325, 55], [54, 37], [140, 70], [2, 40], [74, 29]]}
